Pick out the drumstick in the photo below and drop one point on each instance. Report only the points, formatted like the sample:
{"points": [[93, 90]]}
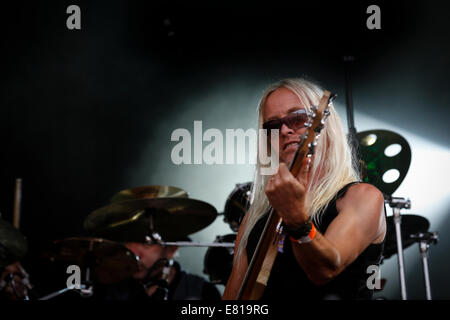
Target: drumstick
{"points": [[17, 200]]}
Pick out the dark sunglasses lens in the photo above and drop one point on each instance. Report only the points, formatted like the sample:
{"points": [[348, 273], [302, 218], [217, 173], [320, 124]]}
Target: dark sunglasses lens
{"points": [[272, 125], [296, 121]]}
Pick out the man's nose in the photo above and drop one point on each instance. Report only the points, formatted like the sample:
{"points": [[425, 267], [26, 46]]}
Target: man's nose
{"points": [[285, 130]]}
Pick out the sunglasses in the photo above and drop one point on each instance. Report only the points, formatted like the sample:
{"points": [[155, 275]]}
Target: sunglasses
{"points": [[295, 120]]}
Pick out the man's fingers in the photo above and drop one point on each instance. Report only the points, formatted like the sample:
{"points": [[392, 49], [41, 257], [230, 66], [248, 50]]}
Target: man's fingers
{"points": [[302, 176], [283, 171]]}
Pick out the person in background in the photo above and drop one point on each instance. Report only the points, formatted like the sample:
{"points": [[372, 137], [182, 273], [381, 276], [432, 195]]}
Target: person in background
{"points": [[159, 278]]}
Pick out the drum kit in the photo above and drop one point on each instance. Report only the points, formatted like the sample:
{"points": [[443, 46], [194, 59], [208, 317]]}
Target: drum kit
{"points": [[154, 215]]}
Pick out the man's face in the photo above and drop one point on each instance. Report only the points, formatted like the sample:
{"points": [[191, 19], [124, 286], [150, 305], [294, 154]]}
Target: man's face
{"points": [[279, 104]]}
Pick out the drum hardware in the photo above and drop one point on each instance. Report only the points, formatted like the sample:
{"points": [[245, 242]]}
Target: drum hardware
{"points": [[13, 284], [198, 244], [55, 294], [237, 204], [397, 204], [164, 286], [13, 248], [411, 224], [104, 261], [85, 291], [158, 275], [85, 288], [10, 280], [155, 238], [26, 283], [218, 260], [162, 283], [424, 240]]}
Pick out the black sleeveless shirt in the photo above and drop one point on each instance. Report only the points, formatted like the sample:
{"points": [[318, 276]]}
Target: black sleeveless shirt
{"points": [[289, 281]]}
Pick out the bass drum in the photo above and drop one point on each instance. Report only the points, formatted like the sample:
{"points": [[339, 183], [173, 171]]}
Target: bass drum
{"points": [[218, 261], [237, 205]]}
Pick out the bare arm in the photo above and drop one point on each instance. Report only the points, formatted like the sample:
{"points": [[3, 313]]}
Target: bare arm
{"points": [[359, 223]]}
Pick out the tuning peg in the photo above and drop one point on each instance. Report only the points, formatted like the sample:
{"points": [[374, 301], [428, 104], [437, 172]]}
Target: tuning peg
{"points": [[319, 128], [312, 114], [311, 147], [332, 97]]}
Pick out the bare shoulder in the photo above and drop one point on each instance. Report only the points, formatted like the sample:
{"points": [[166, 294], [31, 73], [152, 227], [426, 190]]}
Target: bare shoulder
{"points": [[362, 194], [363, 200], [363, 204]]}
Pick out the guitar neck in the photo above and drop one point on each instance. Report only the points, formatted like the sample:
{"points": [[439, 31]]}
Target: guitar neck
{"points": [[249, 282]]}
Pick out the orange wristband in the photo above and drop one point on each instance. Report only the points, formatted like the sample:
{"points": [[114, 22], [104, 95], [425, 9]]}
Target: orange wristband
{"points": [[308, 238]]}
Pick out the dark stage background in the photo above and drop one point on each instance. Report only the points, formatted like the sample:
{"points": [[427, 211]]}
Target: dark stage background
{"points": [[86, 113]]}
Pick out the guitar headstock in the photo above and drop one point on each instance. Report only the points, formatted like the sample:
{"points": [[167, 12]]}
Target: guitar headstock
{"points": [[315, 124]]}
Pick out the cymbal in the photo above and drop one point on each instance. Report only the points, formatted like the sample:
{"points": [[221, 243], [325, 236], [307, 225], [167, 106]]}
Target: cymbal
{"points": [[13, 245], [149, 192], [109, 261], [410, 225], [131, 221]]}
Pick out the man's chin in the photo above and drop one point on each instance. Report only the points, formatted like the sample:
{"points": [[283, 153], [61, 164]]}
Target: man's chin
{"points": [[287, 158]]}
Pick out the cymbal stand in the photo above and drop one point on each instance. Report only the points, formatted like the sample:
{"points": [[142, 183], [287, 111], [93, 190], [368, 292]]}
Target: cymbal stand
{"points": [[162, 290], [87, 289], [84, 289], [26, 283], [425, 239], [198, 244], [397, 203], [152, 237]]}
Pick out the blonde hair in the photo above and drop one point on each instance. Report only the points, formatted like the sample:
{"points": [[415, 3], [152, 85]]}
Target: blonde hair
{"points": [[332, 166]]}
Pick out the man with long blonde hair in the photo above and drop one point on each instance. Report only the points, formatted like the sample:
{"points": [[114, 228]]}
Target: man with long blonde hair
{"points": [[334, 225]]}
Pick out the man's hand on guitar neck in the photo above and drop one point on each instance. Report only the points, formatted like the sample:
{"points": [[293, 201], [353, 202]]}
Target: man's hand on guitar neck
{"points": [[287, 193]]}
